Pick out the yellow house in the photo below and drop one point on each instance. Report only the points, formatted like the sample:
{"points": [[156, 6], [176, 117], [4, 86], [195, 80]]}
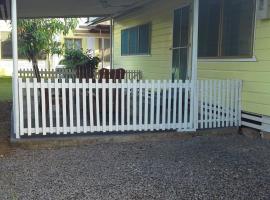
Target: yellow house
{"points": [[233, 43], [96, 38]]}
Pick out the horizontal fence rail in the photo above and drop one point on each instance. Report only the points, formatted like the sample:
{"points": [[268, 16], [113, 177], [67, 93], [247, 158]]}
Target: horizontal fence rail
{"points": [[219, 103], [71, 73], [60, 106]]}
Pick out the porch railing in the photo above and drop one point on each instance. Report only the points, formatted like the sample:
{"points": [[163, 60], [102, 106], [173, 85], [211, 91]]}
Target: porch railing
{"points": [[219, 103], [71, 73], [60, 106]]}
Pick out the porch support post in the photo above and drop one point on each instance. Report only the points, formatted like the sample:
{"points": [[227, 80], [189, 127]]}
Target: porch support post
{"points": [[194, 76], [15, 68], [111, 43], [195, 39]]}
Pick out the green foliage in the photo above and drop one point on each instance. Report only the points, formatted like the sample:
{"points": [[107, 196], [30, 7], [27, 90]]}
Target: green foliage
{"points": [[36, 37], [75, 57]]}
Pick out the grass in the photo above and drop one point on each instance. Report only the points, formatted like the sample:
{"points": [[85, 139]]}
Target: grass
{"points": [[5, 89]]}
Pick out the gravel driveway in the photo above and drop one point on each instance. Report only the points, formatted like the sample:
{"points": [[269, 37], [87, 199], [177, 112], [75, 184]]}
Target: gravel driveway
{"points": [[225, 167]]}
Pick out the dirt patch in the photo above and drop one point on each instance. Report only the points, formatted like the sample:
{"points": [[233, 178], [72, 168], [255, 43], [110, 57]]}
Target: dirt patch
{"points": [[5, 124]]}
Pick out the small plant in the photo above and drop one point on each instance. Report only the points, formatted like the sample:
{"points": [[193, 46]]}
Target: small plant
{"points": [[76, 57]]}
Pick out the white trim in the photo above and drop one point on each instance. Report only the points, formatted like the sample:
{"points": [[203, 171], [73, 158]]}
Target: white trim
{"points": [[15, 68], [253, 59]]}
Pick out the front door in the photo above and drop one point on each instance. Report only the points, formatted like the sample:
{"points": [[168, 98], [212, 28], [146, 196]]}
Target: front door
{"points": [[181, 44]]}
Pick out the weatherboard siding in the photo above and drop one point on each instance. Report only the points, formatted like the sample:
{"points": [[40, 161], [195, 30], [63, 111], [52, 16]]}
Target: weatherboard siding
{"points": [[255, 75], [157, 64]]}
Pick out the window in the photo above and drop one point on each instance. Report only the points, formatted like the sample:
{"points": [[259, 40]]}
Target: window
{"points": [[136, 40], [226, 28], [71, 43]]}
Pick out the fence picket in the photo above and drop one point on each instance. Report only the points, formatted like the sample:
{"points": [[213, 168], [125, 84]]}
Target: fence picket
{"points": [[152, 105], [84, 105], [146, 110], [182, 122], [111, 99], [91, 111], [29, 114], [64, 103], [78, 113], [36, 105], [157, 124], [56, 83], [43, 107], [71, 117], [134, 105], [164, 105], [140, 105]]}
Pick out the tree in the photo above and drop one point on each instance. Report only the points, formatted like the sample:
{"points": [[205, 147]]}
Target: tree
{"points": [[36, 37]]}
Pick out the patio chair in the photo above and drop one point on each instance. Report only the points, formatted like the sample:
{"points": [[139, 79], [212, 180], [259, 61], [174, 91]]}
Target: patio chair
{"points": [[114, 75]]}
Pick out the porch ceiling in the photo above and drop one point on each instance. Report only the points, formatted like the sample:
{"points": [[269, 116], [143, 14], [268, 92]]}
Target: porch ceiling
{"points": [[69, 8]]}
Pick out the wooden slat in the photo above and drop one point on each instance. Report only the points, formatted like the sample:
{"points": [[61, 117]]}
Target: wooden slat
{"points": [[140, 105], [104, 106], [111, 99], [36, 106], [78, 113], [43, 107], [134, 105], [186, 111], [210, 119], [182, 124], [56, 84], [28, 100], [91, 116], [164, 105], [169, 105], [174, 104], [84, 105], [146, 113], [117, 86], [152, 105], [64, 103], [128, 105], [157, 125], [71, 110]]}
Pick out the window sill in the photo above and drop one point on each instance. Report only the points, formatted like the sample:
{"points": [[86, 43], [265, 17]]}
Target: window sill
{"points": [[253, 59], [142, 55]]}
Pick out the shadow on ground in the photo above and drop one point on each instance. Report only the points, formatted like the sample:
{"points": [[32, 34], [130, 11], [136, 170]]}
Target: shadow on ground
{"points": [[5, 124]]}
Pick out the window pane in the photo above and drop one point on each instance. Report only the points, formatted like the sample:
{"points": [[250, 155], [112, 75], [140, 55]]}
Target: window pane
{"points": [[184, 27], [124, 42], [133, 40], [176, 28], [209, 21], [69, 43], [238, 28], [144, 43], [77, 44]]}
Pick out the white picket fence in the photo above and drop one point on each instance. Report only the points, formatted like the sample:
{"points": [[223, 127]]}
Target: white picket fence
{"points": [[219, 103], [60, 106], [71, 73]]}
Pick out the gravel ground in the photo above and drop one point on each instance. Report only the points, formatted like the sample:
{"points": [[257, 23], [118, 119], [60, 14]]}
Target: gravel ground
{"points": [[225, 167]]}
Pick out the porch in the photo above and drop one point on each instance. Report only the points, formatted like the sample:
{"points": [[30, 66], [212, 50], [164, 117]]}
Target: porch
{"points": [[59, 105]]}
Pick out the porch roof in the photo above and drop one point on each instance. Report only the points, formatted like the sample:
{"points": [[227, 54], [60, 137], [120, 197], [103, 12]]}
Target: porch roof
{"points": [[69, 8]]}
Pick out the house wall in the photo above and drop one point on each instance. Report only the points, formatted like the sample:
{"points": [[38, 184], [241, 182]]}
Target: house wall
{"points": [[158, 64], [255, 74]]}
